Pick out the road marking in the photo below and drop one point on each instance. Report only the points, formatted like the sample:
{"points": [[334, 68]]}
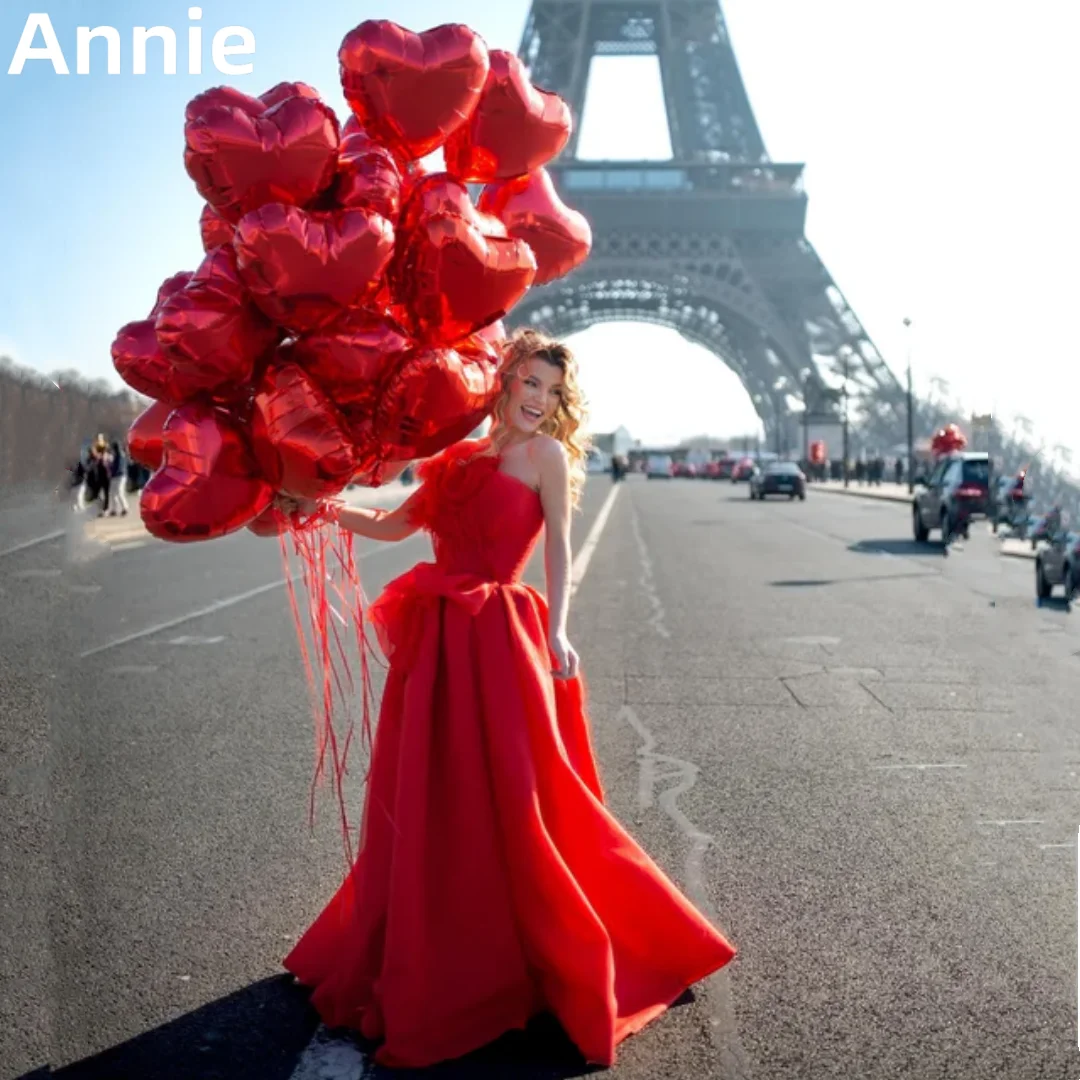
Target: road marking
{"points": [[195, 639], [24, 575], [210, 609], [1057, 847], [585, 554], [330, 1058], [56, 534], [129, 545], [922, 767], [1004, 823], [722, 1026], [648, 582]]}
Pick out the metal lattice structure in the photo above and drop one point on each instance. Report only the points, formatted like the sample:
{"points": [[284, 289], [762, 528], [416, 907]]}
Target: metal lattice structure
{"points": [[712, 242]]}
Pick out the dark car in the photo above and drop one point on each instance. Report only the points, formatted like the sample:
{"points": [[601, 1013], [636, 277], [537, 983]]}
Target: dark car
{"points": [[956, 493], [1058, 563], [778, 478]]}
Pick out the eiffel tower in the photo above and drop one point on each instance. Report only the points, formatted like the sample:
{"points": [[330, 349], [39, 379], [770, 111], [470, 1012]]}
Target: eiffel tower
{"points": [[710, 243]]}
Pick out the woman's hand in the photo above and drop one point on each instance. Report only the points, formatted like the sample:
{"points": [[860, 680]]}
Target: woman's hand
{"points": [[289, 505], [566, 658]]}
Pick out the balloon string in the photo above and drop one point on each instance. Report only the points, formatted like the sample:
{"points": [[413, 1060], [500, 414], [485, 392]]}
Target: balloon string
{"points": [[329, 572]]}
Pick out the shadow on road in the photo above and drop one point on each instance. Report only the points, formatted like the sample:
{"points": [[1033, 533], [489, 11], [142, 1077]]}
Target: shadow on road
{"points": [[255, 1034], [815, 583], [259, 1034], [893, 546], [541, 1052]]}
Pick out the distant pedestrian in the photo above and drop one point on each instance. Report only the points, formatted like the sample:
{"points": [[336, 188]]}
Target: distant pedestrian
{"points": [[118, 479]]}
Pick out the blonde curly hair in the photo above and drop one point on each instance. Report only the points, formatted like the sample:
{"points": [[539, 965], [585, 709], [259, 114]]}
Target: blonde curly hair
{"points": [[570, 414]]}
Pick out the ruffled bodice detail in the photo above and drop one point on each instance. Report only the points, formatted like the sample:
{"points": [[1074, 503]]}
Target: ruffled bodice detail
{"points": [[481, 520]]}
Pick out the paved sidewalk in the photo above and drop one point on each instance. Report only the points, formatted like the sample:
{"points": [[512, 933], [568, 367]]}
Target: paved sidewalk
{"points": [[886, 492]]}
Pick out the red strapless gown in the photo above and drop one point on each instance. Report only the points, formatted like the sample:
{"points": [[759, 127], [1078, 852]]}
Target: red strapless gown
{"points": [[492, 884]]}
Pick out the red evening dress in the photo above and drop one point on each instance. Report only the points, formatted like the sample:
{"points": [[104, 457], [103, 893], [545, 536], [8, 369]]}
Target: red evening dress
{"points": [[492, 884]]}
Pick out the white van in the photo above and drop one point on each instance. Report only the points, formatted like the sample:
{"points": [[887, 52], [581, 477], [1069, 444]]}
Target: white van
{"points": [[659, 466]]}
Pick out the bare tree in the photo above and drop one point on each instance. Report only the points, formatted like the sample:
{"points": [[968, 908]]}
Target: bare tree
{"points": [[46, 419]]}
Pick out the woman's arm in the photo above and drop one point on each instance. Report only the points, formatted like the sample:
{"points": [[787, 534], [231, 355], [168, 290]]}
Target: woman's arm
{"points": [[555, 497], [376, 524]]}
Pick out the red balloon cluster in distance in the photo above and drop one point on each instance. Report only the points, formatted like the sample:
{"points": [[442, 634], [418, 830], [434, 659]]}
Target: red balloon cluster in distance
{"points": [[948, 440], [346, 318]]}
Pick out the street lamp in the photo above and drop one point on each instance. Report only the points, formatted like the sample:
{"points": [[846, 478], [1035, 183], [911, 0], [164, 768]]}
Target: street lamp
{"points": [[910, 415]]}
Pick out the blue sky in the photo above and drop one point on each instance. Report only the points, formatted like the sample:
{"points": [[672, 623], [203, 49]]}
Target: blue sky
{"points": [[939, 141]]}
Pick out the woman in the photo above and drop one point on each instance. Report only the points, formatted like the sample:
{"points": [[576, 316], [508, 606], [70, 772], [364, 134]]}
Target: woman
{"points": [[492, 884]]}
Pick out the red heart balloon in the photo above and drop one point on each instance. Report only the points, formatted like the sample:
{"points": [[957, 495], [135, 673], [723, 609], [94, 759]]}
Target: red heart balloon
{"points": [[495, 335], [144, 437], [222, 97], [214, 229], [239, 162], [440, 193], [285, 90], [169, 286], [350, 360], [379, 473], [208, 484], [141, 363], [412, 91], [454, 280], [368, 177], [300, 439], [306, 269], [433, 399], [531, 210], [270, 523], [515, 129], [211, 331], [230, 98]]}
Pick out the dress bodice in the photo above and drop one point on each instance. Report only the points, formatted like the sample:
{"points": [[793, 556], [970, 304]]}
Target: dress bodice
{"points": [[482, 520]]}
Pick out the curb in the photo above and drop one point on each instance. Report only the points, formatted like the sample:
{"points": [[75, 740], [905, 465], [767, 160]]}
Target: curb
{"points": [[856, 493]]}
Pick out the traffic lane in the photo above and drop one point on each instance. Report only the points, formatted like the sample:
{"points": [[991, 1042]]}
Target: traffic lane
{"points": [[30, 594], [187, 782], [883, 529], [182, 819], [130, 591], [30, 516], [855, 888]]}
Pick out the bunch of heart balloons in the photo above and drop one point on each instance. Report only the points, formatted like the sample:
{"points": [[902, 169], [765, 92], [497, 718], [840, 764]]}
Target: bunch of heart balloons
{"points": [[948, 440], [346, 318]]}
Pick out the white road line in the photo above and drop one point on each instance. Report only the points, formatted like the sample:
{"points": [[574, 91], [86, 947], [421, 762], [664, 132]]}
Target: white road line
{"points": [[722, 1025], [933, 765], [585, 554], [210, 609], [328, 1057], [648, 582], [1057, 847], [1018, 821], [55, 535]]}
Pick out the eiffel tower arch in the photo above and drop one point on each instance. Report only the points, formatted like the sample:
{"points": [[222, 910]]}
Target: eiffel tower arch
{"points": [[710, 243]]}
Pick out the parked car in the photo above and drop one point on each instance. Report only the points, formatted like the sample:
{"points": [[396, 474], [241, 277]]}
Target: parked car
{"points": [[659, 467], [685, 469], [778, 478], [955, 493], [1058, 563], [742, 471]]}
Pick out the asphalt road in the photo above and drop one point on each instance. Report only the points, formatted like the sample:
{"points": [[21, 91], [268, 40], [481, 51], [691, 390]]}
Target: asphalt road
{"points": [[860, 757]]}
